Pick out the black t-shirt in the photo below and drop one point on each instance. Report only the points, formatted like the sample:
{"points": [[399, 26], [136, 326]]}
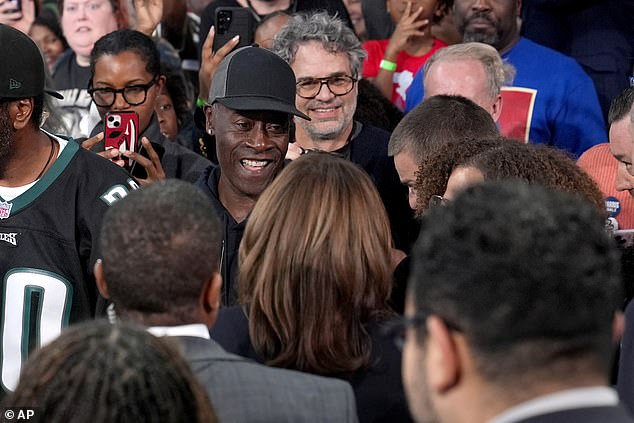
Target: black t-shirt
{"points": [[71, 80]]}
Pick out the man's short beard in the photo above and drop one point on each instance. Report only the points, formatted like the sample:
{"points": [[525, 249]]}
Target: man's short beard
{"points": [[479, 37], [316, 134], [6, 135]]}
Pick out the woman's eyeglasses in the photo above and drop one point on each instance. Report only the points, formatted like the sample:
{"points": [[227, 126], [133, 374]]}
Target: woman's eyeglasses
{"points": [[134, 95]]}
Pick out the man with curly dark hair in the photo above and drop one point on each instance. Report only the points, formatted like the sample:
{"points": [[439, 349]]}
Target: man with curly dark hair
{"points": [[460, 165]]}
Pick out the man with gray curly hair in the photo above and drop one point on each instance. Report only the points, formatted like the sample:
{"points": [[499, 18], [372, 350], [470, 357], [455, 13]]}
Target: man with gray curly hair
{"points": [[473, 70], [326, 57], [322, 51]]}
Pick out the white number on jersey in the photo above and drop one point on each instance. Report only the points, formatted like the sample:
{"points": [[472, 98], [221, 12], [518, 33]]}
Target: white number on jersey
{"points": [[52, 314]]}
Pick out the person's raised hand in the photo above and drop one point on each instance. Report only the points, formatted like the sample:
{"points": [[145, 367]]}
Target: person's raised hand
{"points": [[149, 14], [152, 165], [407, 27], [294, 151], [209, 61], [8, 14], [112, 154], [21, 20]]}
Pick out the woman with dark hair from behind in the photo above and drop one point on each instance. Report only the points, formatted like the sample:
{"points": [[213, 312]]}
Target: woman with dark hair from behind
{"points": [[101, 373], [463, 164], [434, 170], [538, 164], [315, 278]]}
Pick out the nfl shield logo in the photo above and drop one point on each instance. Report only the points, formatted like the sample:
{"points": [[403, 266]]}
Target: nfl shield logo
{"points": [[5, 209]]}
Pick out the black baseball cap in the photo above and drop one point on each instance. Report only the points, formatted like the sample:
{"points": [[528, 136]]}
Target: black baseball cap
{"points": [[22, 73], [252, 78]]}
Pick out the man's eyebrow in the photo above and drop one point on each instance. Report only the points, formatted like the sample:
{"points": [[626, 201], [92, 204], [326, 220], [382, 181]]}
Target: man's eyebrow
{"points": [[618, 156], [311, 78], [623, 158]]}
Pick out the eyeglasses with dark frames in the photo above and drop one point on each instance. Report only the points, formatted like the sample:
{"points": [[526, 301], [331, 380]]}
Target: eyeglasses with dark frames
{"points": [[397, 328], [338, 85], [134, 95]]}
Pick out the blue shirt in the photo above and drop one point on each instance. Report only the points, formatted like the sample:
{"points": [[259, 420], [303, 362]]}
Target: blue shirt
{"points": [[555, 97]]}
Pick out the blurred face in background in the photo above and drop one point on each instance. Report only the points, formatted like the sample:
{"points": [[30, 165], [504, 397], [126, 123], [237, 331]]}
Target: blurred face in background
{"points": [[492, 22], [356, 16], [268, 29], [622, 147], [396, 8], [84, 22], [166, 114], [49, 44]]}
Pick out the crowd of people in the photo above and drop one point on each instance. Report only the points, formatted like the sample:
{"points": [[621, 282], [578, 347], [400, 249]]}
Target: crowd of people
{"points": [[369, 211]]}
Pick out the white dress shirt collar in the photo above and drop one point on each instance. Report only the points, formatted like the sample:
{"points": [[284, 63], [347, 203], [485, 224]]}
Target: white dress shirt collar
{"points": [[563, 400], [197, 330]]}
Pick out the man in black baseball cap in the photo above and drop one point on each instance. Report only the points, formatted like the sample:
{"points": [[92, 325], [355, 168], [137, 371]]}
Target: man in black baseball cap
{"points": [[52, 197], [251, 102], [21, 74]]}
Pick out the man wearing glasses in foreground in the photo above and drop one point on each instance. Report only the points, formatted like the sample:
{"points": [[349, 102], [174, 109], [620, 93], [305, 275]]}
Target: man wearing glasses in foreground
{"points": [[326, 57], [512, 303]]}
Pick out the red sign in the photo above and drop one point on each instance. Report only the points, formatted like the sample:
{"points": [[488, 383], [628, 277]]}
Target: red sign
{"points": [[517, 112]]}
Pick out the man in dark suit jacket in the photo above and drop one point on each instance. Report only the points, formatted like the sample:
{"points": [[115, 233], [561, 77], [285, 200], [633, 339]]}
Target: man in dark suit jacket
{"points": [[510, 311], [161, 253]]}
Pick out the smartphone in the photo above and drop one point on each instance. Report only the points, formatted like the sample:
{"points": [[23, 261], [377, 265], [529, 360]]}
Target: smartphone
{"points": [[232, 21], [17, 5], [122, 132]]}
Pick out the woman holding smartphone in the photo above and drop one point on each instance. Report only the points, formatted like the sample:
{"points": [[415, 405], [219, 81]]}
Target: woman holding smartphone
{"points": [[126, 77]]}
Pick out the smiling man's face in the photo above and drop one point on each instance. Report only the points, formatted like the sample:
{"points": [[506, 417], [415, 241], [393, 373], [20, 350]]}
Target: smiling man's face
{"points": [[250, 145], [331, 116]]}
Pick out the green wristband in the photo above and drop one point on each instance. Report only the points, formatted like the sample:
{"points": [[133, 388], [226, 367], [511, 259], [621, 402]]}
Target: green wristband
{"points": [[200, 102], [387, 65]]}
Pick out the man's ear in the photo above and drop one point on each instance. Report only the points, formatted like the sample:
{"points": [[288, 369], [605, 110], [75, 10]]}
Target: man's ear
{"points": [[101, 279], [210, 297], [209, 110], [160, 83], [23, 109], [443, 360], [496, 108], [618, 326]]}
